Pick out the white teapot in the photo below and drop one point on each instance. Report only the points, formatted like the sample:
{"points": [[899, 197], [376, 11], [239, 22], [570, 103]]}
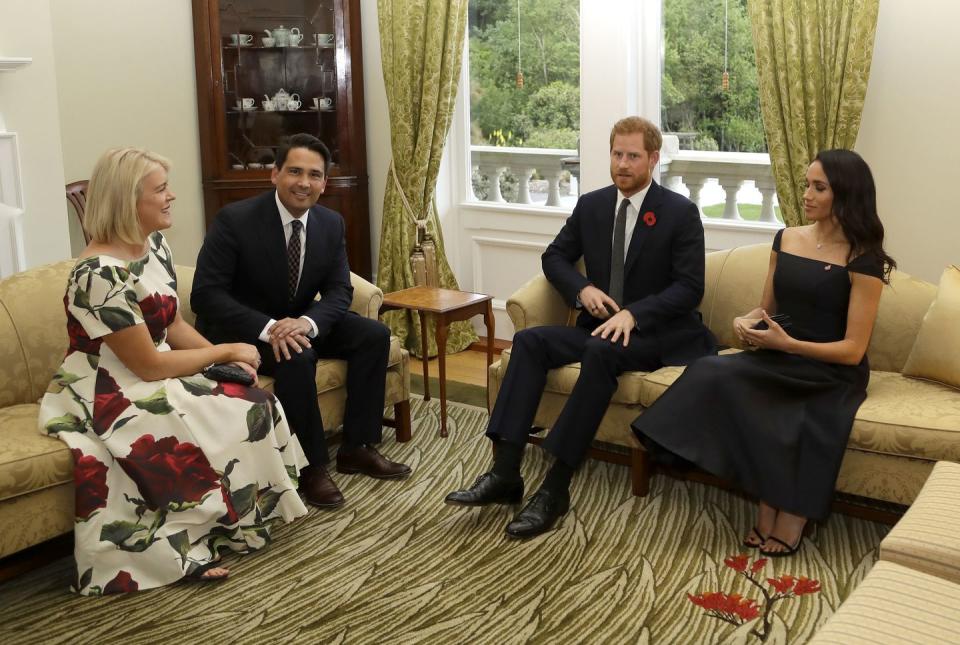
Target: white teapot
{"points": [[282, 35]]}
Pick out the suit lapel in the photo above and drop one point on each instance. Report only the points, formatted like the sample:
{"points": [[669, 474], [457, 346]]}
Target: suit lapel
{"points": [[640, 231], [606, 221], [275, 246]]}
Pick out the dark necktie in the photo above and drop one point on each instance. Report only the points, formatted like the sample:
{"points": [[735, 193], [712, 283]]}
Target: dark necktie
{"points": [[293, 257], [616, 261]]}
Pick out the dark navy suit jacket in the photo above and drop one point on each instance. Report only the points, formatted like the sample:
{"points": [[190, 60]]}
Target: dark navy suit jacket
{"points": [[241, 277], [663, 271]]}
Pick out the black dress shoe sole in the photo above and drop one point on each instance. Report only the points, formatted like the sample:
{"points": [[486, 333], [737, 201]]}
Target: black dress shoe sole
{"points": [[324, 505], [532, 534], [357, 471], [505, 501]]}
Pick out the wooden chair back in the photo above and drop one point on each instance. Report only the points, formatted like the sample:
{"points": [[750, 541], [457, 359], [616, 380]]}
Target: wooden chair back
{"points": [[77, 196]]}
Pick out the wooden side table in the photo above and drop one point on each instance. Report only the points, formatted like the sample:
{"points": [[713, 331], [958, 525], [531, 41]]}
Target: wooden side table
{"points": [[446, 306]]}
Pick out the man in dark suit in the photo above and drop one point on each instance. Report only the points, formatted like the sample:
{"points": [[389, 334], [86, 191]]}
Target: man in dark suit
{"points": [[263, 262], [642, 246]]}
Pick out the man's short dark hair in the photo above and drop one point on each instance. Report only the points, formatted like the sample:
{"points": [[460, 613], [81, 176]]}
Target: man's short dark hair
{"points": [[303, 140]]}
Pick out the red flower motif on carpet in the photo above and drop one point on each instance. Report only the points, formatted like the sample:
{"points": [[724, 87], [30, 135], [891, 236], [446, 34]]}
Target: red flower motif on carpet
{"points": [[735, 609], [123, 582], [649, 218], [169, 474], [108, 403], [90, 480]]}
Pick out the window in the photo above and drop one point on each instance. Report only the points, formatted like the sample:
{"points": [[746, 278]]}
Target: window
{"points": [[710, 102], [524, 99]]}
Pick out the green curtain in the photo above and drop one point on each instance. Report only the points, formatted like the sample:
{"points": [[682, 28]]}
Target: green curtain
{"points": [[813, 62], [422, 49]]}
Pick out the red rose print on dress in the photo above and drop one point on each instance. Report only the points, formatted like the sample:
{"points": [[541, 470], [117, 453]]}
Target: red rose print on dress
{"points": [[649, 218], [238, 391], [169, 474], [159, 312], [109, 402], [90, 479], [77, 339], [123, 582]]}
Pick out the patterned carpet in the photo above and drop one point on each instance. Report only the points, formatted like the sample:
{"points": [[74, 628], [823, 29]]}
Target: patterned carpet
{"points": [[395, 564]]}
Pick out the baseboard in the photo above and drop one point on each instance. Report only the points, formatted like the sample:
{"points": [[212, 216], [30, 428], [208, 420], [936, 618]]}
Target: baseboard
{"points": [[499, 345]]}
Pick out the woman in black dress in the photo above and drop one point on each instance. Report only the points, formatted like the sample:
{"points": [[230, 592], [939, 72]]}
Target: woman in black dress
{"points": [[776, 420]]}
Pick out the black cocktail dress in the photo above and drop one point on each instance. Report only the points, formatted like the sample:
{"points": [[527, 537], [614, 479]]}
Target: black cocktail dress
{"points": [[774, 423]]}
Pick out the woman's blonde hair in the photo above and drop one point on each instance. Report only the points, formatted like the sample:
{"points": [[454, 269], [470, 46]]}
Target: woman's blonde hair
{"points": [[115, 186]]}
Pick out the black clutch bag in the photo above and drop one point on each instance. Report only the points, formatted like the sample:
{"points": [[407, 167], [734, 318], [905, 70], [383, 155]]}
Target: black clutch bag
{"points": [[228, 373], [781, 319]]}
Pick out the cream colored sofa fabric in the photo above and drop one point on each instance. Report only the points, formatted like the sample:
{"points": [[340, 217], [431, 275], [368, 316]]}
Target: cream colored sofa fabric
{"points": [[902, 429], [927, 538], [895, 605], [36, 471]]}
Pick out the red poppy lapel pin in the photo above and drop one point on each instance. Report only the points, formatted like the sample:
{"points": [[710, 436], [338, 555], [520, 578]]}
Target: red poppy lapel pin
{"points": [[649, 218]]}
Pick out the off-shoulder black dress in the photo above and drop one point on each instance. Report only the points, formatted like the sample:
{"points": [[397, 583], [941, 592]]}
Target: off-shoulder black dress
{"points": [[774, 423]]}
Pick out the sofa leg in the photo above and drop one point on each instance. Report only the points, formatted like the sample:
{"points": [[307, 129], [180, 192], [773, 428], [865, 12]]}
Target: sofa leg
{"points": [[640, 471], [401, 412]]}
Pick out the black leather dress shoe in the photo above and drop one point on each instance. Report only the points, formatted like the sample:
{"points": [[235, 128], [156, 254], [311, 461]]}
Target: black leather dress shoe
{"points": [[488, 489], [318, 489], [366, 460], [539, 515]]}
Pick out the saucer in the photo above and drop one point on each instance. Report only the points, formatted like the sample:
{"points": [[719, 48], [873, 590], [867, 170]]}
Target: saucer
{"points": [[314, 109], [250, 109]]}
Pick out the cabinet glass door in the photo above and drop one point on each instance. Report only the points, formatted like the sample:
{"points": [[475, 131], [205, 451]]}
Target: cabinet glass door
{"points": [[280, 72]]}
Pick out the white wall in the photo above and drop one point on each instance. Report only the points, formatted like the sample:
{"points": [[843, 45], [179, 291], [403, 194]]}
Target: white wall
{"points": [[125, 74], [28, 103], [910, 134]]}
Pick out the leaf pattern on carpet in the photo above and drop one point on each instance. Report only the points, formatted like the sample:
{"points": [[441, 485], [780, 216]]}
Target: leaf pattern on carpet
{"points": [[397, 564]]}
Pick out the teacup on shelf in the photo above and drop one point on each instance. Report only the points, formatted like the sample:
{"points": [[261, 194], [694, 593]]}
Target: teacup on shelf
{"points": [[241, 39], [238, 166], [323, 40], [268, 42], [322, 103], [293, 104], [245, 104], [254, 165]]}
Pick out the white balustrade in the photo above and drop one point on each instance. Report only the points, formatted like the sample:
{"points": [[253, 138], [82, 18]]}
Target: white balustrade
{"points": [[690, 168], [693, 168], [493, 161]]}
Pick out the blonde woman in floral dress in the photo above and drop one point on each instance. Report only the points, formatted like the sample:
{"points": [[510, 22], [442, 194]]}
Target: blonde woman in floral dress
{"points": [[171, 469]]}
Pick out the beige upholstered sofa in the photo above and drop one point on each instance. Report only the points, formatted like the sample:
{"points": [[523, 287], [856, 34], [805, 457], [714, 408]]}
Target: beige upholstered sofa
{"points": [[911, 595], [36, 471], [903, 428]]}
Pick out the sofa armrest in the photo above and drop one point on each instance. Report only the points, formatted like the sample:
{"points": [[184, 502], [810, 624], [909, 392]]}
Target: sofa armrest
{"points": [[367, 297], [536, 304]]}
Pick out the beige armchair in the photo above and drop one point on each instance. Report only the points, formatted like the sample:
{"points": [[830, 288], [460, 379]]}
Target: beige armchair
{"points": [[36, 471]]}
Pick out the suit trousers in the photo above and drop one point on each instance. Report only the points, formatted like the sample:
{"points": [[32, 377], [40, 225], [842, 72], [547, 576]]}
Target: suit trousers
{"points": [[365, 345], [537, 350]]}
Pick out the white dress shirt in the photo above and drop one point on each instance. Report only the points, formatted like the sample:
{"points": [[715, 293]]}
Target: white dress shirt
{"points": [[633, 214], [287, 219]]}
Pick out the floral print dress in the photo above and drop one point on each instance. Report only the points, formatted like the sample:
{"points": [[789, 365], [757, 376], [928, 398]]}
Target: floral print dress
{"points": [[169, 474]]}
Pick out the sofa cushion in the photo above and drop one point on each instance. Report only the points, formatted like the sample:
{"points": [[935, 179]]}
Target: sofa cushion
{"points": [[909, 418], [895, 604], [936, 352], [927, 537], [903, 304], [656, 383], [562, 379], [34, 301], [29, 460]]}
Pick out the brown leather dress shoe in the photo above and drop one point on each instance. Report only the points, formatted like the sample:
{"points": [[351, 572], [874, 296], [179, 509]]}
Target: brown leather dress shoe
{"points": [[365, 460], [318, 489]]}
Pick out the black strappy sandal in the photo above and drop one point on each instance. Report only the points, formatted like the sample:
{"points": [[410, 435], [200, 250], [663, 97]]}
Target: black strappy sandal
{"points": [[751, 545], [782, 554], [197, 574]]}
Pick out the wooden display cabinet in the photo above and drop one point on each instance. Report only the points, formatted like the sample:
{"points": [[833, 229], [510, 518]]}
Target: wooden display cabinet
{"points": [[238, 143]]}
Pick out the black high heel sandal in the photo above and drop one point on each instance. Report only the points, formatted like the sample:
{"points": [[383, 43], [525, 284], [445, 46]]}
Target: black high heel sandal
{"points": [[756, 532]]}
